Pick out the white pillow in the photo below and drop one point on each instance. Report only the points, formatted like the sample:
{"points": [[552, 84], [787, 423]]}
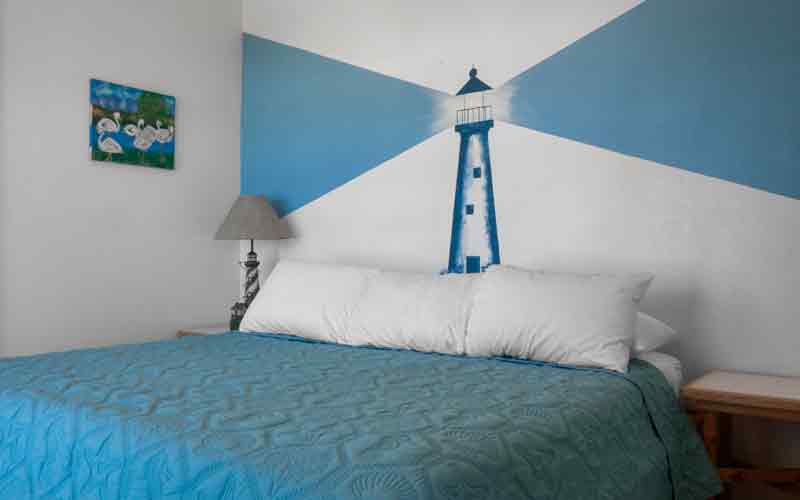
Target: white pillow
{"points": [[669, 366], [423, 312], [362, 306], [651, 334], [314, 301], [585, 320], [574, 319]]}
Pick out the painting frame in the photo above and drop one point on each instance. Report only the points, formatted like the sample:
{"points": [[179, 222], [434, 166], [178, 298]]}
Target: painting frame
{"points": [[131, 126]]}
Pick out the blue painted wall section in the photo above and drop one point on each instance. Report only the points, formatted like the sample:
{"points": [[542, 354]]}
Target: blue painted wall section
{"points": [[311, 124], [710, 86]]}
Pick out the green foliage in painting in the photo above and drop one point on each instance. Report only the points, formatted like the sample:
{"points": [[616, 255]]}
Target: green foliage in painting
{"points": [[153, 107], [155, 160]]}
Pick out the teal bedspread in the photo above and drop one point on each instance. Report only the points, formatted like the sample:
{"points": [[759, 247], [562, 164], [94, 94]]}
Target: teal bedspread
{"points": [[245, 417]]}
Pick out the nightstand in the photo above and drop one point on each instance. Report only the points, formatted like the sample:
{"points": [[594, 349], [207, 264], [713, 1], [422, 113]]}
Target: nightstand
{"points": [[203, 331], [719, 395]]}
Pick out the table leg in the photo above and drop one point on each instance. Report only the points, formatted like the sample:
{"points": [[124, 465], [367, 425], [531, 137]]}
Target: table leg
{"points": [[711, 438]]}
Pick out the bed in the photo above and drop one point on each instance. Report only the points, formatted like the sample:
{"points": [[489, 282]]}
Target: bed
{"points": [[259, 416]]}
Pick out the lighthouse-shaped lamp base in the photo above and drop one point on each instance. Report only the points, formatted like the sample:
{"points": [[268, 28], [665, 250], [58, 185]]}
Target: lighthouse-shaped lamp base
{"points": [[251, 288]]}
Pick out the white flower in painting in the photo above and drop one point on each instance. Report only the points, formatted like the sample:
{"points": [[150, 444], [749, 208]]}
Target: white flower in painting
{"points": [[108, 126], [164, 135], [131, 130], [109, 146], [144, 136]]}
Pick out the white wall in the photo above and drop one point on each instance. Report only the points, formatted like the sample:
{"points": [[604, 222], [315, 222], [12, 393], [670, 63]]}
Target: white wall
{"points": [[432, 43], [725, 255], [4, 206], [94, 253]]}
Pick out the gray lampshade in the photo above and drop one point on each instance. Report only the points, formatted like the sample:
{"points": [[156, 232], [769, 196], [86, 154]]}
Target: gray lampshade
{"points": [[252, 218]]}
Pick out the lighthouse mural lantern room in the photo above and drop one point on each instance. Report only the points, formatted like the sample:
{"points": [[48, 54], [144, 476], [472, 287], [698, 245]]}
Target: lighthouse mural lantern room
{"points": [[474, 243]]}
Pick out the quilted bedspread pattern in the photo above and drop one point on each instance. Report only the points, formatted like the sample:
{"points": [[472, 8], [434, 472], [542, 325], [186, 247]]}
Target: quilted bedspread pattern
{"points": [[239, 416]]}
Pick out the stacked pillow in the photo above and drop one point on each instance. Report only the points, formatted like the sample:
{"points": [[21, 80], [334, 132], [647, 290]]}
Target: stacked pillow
{"points": [[361, 306], [651, 334], [315, 301], [574, 319]]}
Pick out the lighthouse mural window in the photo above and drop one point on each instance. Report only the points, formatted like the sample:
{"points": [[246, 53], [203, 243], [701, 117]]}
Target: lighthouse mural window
{"points": [[474, 243], [131, 126], [473, 264]]}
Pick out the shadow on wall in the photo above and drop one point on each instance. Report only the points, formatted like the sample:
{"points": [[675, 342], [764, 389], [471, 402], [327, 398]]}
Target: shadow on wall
{"points": [[281, 207]]}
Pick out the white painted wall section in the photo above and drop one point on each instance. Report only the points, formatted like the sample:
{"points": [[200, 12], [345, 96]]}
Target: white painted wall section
{"points": [[96, 254]]}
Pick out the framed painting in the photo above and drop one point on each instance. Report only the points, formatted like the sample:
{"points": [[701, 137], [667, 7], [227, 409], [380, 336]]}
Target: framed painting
{"points": [[131, 126]]}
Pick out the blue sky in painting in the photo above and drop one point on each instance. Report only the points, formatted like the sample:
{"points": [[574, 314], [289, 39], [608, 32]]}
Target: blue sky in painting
{"points": [[120, 97]]}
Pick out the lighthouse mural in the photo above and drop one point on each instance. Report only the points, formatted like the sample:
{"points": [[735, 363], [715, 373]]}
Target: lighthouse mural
{"points": [[474, 243]]}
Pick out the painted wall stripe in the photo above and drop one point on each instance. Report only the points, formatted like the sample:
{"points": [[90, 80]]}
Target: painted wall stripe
{"points": [[311, 124], [709, 86]]}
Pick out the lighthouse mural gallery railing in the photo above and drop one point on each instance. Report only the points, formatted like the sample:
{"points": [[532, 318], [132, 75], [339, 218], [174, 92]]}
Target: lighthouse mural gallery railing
{"points": [[474, 243], [473, 115]]}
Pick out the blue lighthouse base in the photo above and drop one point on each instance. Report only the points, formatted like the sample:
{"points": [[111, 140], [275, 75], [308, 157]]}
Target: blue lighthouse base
{"points": [[474, 243]]}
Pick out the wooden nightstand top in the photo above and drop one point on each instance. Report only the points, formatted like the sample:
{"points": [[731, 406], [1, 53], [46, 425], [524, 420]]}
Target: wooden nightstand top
{"points": [[203, 331], [745, 394]]}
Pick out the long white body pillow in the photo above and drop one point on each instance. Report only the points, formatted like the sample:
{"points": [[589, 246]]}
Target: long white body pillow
{"points": [[423, 312], [362, 306], [315, 301], [584, 320], [572, 319]]}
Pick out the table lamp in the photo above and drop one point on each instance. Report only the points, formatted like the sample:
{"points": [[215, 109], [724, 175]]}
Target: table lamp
{"points": [[250, 218]]}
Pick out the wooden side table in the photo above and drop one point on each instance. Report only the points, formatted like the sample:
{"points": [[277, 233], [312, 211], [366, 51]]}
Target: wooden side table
{"points": [[203, 331], [719, 395]]}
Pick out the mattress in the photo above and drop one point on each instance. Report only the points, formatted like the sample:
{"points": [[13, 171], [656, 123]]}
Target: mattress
{"points": [[271, 417], [668, 365]]}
